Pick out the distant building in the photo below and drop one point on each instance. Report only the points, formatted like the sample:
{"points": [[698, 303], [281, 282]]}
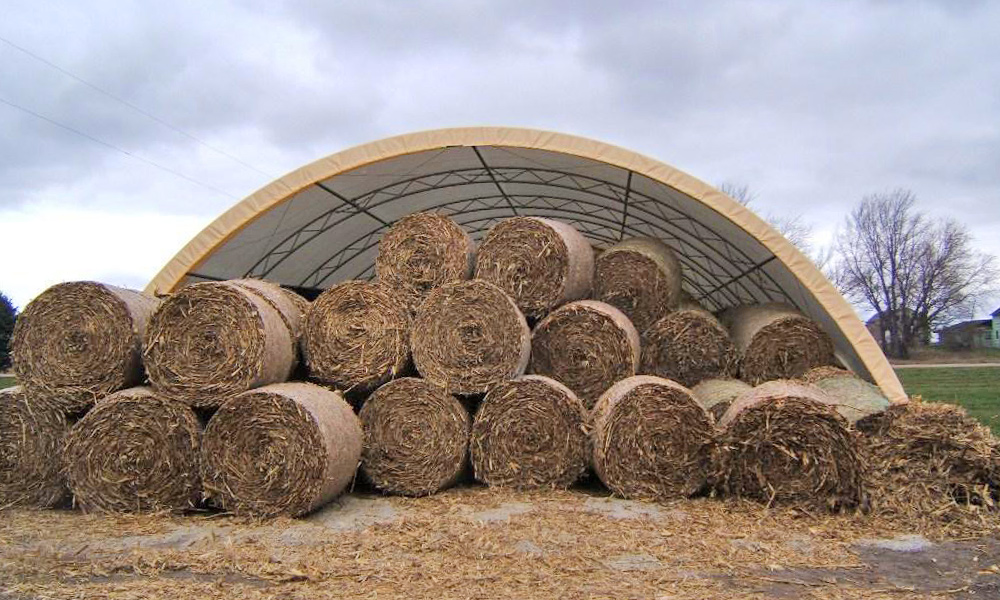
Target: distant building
{"points": [[884, 336], [967, 335], [996, 328]]}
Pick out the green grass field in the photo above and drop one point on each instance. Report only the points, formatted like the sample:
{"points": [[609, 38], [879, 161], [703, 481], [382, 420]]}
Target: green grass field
{"points": [[975, 388], [6, 382]]}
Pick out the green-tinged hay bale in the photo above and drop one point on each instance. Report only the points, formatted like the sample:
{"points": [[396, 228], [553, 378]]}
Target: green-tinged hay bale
{"points": [[211, 341], [651, 439], [80, 341], [283, 449], [135, 451], [587, 346], [357, 336], [687, 346], [416, 437], [784, 443], [32, 430], [540, 263], [421, 252], [469, 336], [715, 395], [640, 277], [822, 372], [530, 433], [855, 398]]}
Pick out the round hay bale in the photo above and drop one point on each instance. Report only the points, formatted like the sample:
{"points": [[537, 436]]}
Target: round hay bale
{"points": [[784, 443], [302, 305], [587, 346], [80, 341], [283, 449], [134, 451], [715, 395], [855, 398], [687, 346], [651, 439], [32, 430], [817, 373], [421, 252], [530, 433], [469, 336], [211, 341], [357, 336], [416, 437], [541, 263], [640, 277]]}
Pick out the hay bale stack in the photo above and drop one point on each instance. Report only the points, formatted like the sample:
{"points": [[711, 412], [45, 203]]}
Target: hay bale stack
{"points": [[540, 263], [416, 437], [587, 346], [302, 305], [530, 433], [775, 341], [80, 341], [715, 395], [469, 336], [421, 252], [817, 373], [651, 439], [640, 277], [855, 398], [357, 336], [784, 443], [687, 346], [283, 449], [32, 430], [135, 451]]}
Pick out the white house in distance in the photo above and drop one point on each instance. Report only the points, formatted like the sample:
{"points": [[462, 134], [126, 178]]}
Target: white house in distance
{"points": [[978, 333]]}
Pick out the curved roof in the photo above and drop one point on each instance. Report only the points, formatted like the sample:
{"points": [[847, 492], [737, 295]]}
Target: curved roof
{"points": [[321, 224]]}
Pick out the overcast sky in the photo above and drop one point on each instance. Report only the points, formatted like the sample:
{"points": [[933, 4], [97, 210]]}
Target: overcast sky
{"points": [[811, 104]]}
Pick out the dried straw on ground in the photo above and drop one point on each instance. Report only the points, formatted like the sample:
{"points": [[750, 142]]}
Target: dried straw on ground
{"points": [[640, 277], [775, 341], [469, 336], [211, 341], [32, 430], [540, 263], [283, 449], [651, 439], [80, 341], [687, 346], [855, 398], [784, 443], [357, 336], [135, 451], [416, 437], [715, 395], [587, 346], [421, 252], [530, 433]]}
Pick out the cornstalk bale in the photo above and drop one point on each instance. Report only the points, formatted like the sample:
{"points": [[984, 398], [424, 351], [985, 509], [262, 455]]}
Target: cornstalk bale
{"points": [[135, 451], [855, 398], [283, 449], [302, 305], [357, 336], [284, 302], [32, 429], [687, 346], [587, 346], [416, 437], [651, 439], [530, 433], [541, 263], [80, 341], [640, 277], [715, 395], [469, 336], [817, 373], [785, 443], [421, 252]]}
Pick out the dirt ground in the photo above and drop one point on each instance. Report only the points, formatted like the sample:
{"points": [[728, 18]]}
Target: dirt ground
{"points": [[472, 542]]}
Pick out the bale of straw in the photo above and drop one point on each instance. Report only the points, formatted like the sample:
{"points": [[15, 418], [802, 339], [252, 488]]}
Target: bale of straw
{"points": [[135, 451], [283, 449], [640, 277], [530, 433], [32, 430], [715, 395], [357, 336], [855, 398], [587, 346], [784, 443], [416, 437], [775, 341], [302, 305], [80, 341], [288, 305], [211, 341], [421, 252], [687, 346], [541, 263], [822, 372], [651, 439], [469, 336]]}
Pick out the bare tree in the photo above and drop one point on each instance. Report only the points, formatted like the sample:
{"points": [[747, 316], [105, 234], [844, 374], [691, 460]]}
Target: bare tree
{"points": [[795, 229]]}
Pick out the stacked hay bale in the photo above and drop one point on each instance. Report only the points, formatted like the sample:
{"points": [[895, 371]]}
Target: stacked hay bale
{"points": [[855, 398], [32, 430], [688, 345], [715, 395], [640, 277]]}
